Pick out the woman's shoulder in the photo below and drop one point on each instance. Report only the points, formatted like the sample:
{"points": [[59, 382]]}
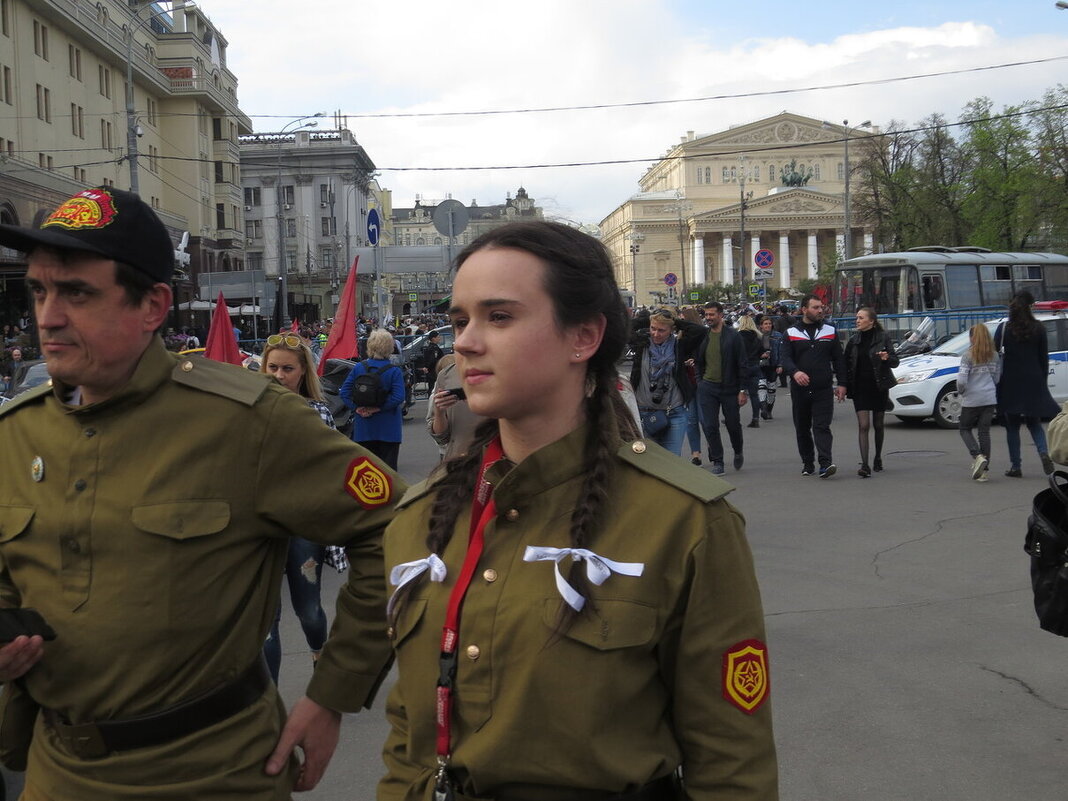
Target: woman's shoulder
{"points": [[654, 471]]}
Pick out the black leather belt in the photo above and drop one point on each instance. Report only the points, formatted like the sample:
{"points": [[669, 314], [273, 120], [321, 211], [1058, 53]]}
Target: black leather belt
{"points": [[100, 738], [666, 788]]}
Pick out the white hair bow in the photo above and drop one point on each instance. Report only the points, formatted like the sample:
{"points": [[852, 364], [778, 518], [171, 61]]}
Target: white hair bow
{"points": [[598, 569], [408, 572]]}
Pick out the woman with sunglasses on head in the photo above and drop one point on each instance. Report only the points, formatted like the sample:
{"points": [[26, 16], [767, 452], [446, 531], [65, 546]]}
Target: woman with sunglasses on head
{"points": [[576, 613], [377, 425], [290, 361]]}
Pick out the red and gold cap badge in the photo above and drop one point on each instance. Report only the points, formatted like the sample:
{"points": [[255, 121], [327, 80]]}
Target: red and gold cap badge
{"points": [[90, 208], [368, 483], [745, 675]]}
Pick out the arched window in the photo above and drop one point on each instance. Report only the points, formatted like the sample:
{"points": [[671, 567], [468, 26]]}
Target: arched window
{"points": [[726, 175], [700, 175], [771, 174], [756, 172], [841, 171], [708, 175], [816, 172]]}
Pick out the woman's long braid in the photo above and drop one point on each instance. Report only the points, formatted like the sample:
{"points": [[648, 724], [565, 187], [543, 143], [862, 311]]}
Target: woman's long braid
{"points": [[453, 492]]}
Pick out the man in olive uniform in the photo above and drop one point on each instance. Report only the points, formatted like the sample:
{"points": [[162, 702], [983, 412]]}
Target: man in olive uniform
{"points": [[146, 503]]}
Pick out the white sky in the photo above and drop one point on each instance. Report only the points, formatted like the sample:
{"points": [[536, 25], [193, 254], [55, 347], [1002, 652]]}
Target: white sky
{"points": [[294, 59]]}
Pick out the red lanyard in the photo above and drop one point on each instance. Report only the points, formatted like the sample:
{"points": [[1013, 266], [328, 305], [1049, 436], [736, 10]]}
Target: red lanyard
{"points": [[483, 509]]}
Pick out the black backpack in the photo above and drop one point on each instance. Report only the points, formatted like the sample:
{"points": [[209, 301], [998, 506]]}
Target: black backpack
{"points": [[369, 389]]}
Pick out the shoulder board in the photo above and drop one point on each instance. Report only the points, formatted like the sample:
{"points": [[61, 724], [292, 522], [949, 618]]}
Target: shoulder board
{"points": [[417, 491], [40, 391], [650, 458], [227, 380]]}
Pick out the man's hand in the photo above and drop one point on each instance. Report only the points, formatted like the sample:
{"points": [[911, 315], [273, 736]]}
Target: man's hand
{"points": [[316, 730], [743, 398], [840, 393], [19, 655], [801, 378]]}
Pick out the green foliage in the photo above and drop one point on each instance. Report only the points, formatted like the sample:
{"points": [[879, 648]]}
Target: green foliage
{"points": [[998, 180]]}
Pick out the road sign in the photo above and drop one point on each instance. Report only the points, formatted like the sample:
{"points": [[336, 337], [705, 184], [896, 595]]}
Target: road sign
{"points": [[374, 225], [413, 296], [695, 296], [671, 279], [763, 272], [754, 289], [763, 258], [450, 217]]}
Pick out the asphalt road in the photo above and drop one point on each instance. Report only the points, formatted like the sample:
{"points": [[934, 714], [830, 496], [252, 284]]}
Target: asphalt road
{"points": [[906, 660]]}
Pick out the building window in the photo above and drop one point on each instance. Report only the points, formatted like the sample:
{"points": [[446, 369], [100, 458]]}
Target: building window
{"points": [[254, 229], [219, 172], [291, 226], [254, 261], [726, 175], [75, 56], [220, 216], [104, 77], [153, 158], [771, 173], [815, 172], [756, 172], [841, 171], [287, 194], [105, 135], [329, 226], [44, 104], [77, 121], [5, 17], [252, 196], [708, 175], [216, 128], [324, 193], [699, 175], [5, 87], [44, 162], [326, 257], [79, 175], [734, 173], [152, 109], [40, 40], [291, 261]]}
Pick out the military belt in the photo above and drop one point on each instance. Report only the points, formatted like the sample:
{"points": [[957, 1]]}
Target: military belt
{"points": [[100, 738], [666, 788]]}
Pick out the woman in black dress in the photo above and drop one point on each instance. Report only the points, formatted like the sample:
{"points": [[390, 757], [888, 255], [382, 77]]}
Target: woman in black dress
{"points": [[870, 357]]}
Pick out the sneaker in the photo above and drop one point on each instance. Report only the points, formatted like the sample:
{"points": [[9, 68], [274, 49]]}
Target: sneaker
{"points": [[807, 470], [717, 468], [696, 460], [979, 465], [739, 460], [754, 424], [1015, 472], [982, 477], [828, 471], [1047, 463]]}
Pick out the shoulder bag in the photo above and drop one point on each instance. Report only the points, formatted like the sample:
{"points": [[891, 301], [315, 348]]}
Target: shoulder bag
{"points": [[1047, 544]]}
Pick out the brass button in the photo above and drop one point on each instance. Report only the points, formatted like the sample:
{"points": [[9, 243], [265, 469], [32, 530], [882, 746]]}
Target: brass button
{"points": [[187, 367], [72, 545], [80, 484], [638, 446], [90, 432], [489, 574], [473, 652], [511, 515]]}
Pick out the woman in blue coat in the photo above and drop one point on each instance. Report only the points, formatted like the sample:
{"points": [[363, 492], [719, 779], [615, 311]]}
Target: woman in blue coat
{"points": [[378, 428]]}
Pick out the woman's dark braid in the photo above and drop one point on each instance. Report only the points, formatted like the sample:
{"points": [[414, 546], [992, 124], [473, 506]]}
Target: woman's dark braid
{"points": [[452, 493]]}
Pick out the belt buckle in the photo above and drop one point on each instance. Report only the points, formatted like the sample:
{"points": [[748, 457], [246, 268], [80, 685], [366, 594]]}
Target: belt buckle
{"points": [[84, 740]]}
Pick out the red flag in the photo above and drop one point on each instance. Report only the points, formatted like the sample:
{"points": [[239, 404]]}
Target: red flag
{"points": [[342, 341], [295, 328], [222, 344]]}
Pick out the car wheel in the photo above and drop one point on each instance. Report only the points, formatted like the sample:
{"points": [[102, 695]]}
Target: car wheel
{"points": [[947, 407]]}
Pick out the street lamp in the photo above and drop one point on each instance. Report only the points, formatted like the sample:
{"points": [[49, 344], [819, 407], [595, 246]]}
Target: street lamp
{"points": [[680, 207], [847, 242], [283, 268], [634, 237], [740, 273]]}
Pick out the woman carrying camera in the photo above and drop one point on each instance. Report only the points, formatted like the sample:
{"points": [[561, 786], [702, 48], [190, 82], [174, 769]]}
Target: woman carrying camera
{"points": [[658, 376]]}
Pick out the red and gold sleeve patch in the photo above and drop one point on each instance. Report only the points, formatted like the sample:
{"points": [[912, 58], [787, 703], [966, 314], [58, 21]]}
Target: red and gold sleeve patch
{"points": [[369, 484], [745, 675]]}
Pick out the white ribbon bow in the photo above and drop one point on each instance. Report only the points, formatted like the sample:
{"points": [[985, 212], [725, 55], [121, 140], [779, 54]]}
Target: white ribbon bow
{"points": [[598, 569], [408, 572]]}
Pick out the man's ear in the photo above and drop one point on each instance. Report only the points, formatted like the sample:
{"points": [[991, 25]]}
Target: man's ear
{"points": [[157, 305]]}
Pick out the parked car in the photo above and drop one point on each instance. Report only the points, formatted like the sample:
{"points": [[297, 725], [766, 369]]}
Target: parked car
{"points": [[413, 350], [30, 374], [927, 384]]}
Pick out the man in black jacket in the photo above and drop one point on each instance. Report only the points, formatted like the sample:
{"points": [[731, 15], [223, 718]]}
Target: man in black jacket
{"points": [[721, 367], [812, 356]]}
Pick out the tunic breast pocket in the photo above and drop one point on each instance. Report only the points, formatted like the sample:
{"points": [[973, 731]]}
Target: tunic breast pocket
{"points": [[607, 625], [14, 523], [202, 568]]}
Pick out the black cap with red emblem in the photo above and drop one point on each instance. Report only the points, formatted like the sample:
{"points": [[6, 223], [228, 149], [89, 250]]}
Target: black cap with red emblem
{"points": [[108, 222]]}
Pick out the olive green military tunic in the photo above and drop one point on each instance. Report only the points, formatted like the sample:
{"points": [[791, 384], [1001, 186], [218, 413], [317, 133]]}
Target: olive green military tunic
{"points": [[663, 669], [151, 530]]}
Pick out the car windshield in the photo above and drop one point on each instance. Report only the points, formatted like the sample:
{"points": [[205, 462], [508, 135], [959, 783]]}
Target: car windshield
{"points": [[37, 374], [961, 342]]}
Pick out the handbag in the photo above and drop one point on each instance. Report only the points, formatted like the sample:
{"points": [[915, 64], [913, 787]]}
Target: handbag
{"points": [[654, 421], [1047, 544]]}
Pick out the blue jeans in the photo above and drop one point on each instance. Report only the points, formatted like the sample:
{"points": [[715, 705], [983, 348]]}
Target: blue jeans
{"points": [[1012, 436], [693, 424], [714, 398], [670, 437], [304, 571]]}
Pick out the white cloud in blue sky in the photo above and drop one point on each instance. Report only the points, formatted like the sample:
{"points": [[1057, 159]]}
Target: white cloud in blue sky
{"points": [[422, 56]]}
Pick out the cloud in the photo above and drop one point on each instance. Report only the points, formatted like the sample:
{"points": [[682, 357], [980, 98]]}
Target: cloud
{"points": [[433, 57]]}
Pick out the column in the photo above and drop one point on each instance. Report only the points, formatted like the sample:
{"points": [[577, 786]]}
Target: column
{"points": [[698, 259], [756, 242], [783, 272], [813, 255], [728, 260], [869, 243]]}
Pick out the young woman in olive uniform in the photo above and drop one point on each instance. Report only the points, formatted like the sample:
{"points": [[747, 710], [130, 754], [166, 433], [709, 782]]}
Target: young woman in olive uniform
{"points": [[576, 614]]}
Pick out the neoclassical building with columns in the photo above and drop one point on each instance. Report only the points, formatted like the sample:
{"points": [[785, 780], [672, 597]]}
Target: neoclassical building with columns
{"points": [[688, 218]]}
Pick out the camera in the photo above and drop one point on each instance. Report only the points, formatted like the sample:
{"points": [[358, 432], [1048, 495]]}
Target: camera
{"points": [[657, 393]]}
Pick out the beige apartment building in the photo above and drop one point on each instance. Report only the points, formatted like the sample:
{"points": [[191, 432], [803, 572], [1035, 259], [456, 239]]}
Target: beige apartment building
{"points": [[687, 219], [64, 121]]}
